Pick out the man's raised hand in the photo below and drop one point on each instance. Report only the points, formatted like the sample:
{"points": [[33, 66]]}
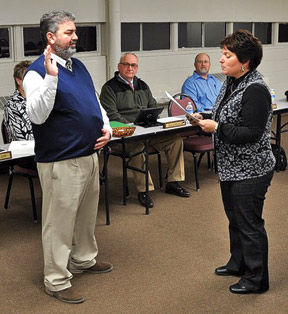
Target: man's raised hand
{"points": [[50, 65]]}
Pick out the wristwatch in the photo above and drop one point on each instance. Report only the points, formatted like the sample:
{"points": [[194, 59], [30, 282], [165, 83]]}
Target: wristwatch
{"points": [[216, 127]]}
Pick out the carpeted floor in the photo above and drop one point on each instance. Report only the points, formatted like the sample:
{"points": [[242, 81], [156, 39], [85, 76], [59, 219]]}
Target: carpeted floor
{"points": [[163, 263]]}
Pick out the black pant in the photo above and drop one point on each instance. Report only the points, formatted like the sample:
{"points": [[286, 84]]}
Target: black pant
{"points": [[243, 203]]}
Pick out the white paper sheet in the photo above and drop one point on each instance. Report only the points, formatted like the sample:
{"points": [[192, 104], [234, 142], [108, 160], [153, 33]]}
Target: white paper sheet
{"points": [[22, 148], [170, 119]]}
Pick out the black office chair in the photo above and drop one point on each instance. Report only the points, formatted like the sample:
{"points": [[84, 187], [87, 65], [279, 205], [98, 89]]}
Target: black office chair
{"points": [[14, 169], [194, 142]]}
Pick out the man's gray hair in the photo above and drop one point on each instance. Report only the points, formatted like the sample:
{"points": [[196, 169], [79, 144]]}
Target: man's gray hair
{"points": [[50, 21], [126, 54]]}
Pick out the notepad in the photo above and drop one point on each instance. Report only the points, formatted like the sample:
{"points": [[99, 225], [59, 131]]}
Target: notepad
{"points": [[116, 124]]}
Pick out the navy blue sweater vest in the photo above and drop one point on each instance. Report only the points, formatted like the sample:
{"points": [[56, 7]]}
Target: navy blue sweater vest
{"points": [[75, 121]]}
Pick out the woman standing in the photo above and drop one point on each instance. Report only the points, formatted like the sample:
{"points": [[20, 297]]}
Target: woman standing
{"points": [[241, 122]]}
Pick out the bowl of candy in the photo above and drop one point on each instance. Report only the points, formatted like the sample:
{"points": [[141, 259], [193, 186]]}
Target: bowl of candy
{"points": [[123, 131]]}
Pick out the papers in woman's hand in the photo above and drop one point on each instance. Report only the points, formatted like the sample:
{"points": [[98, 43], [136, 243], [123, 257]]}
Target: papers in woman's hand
{"points": [[176, 102]]}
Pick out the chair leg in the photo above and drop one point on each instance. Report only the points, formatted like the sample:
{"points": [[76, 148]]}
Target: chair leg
{"points": [[125, 181], [199, 160], [127, 186], [160, 170], [196, 171], [208, 160], [33, 199], [215, 162], [11, 175]]}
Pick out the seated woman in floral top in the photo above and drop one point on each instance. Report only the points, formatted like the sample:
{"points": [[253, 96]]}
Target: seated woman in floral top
{"points": [[16, 120], [17, 123]]}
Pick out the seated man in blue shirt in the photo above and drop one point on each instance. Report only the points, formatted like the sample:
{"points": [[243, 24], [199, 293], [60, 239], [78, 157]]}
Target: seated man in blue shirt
{"points": [[202, 87]]}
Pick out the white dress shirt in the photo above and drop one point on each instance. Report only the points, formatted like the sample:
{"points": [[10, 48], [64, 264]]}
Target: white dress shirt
{"points": [[40, 95], [130, 83]]}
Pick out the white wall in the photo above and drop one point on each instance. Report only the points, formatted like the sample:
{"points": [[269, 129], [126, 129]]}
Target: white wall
{"points": [[29, 11], [204, 10], [160, 69], [168, 70], [97, 68], [274, 67]]}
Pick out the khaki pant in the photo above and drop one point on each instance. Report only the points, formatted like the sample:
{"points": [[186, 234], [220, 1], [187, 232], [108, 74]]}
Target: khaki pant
{"points": [[172, 145], [70, 203]]}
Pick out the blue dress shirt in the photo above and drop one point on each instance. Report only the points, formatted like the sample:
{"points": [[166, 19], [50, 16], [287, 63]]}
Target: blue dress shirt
{"points": [[203, 92]]}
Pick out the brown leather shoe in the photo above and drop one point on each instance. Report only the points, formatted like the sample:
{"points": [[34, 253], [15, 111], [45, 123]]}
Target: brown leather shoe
{"points": [[98, 268], [68, 295]]}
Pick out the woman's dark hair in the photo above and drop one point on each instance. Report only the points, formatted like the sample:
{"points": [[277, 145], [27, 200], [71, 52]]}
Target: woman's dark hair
{"points": [[245, 46], [19, 71]]}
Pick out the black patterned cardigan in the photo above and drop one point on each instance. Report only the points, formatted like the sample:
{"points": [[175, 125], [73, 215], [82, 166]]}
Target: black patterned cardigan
{"points": [[241, 161]]}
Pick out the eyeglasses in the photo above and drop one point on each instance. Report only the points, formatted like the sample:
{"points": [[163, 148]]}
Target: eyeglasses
{"points": [[201, 61], [132, 65]]}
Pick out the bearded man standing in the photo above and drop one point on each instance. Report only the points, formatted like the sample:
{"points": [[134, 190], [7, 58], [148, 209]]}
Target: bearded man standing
{"points": [[69, 126]]}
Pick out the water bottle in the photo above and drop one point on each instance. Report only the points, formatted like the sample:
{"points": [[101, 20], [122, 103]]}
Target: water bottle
{"points": [[273, 97], [189, 109]]}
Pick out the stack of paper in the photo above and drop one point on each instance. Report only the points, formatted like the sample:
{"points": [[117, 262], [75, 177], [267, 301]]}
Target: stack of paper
{"points": [[22, 148]]}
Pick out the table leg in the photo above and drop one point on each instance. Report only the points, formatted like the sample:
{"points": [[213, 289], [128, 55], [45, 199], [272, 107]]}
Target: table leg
{"points": [[124, 177], [105, 178], [278, 141], [146, 153]]}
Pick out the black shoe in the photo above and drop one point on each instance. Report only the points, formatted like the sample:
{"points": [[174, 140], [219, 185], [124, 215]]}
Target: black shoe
{"points": [[176, 189], [223, 271], [143, 198], [240, 288]]}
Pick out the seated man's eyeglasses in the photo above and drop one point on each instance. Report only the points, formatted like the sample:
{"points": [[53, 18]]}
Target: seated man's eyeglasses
{"points": [[203, 61], [132, 65]]}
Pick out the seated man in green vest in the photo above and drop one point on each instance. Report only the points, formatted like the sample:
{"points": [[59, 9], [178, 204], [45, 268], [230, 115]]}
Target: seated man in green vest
{"points": [[122, 97]]}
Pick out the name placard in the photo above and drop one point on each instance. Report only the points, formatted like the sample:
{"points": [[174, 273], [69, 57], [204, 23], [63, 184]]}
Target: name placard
{"points": [[173, 124], [5, 155]]}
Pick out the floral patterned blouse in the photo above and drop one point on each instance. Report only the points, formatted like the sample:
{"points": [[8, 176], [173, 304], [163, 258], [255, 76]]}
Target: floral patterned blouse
{"points": [[16, 120]]}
